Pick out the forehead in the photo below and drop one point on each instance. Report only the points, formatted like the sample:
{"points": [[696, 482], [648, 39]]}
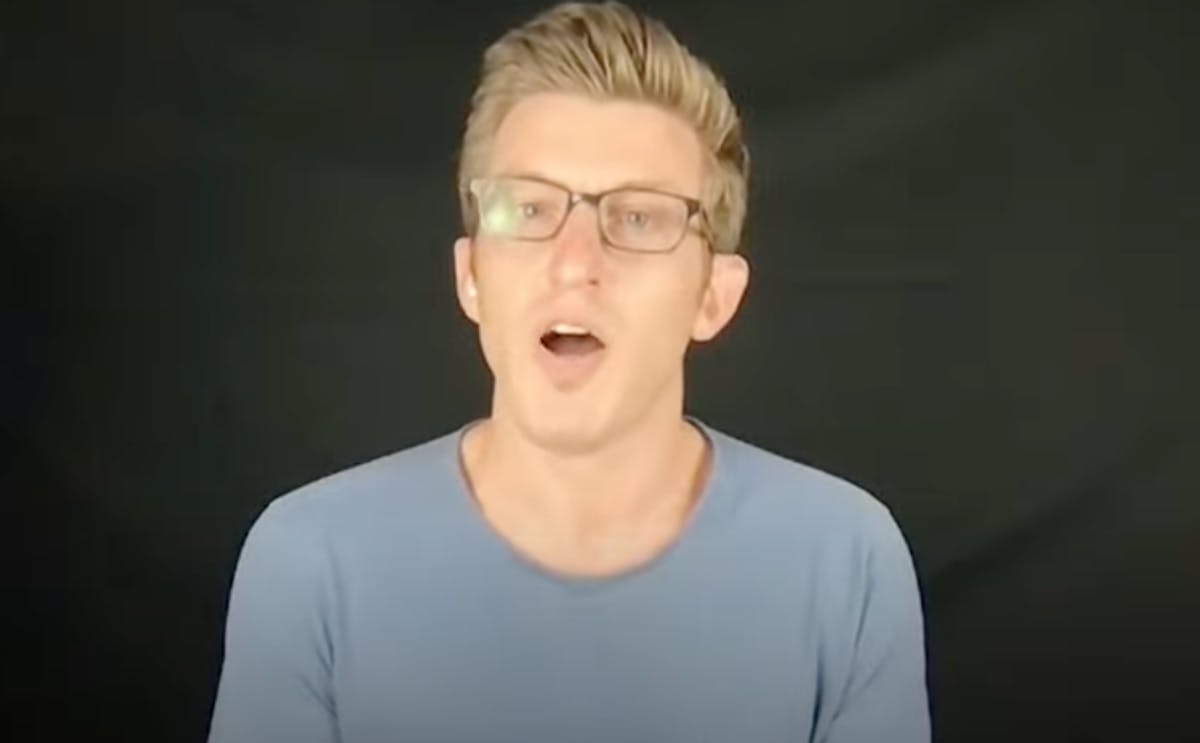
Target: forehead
{"points": [[592, 145]]}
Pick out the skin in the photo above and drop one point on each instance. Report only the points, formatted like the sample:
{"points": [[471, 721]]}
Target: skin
{"points": [[599, 477]]}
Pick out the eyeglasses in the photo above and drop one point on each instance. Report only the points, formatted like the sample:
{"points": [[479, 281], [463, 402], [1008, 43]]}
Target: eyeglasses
{"points": [[633, 219]]}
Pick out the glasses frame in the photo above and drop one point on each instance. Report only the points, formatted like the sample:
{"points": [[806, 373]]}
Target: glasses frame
{"points": [[694, 207]]}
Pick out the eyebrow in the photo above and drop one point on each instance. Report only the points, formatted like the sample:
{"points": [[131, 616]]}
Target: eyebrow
{"points": [[649, 185]]}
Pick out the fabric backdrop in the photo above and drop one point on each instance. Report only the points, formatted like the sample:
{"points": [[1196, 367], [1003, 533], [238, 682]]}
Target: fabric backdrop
{"points": [[227, 229]]}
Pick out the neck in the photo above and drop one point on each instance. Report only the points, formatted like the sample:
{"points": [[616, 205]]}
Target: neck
{"points": [[644, 478]]}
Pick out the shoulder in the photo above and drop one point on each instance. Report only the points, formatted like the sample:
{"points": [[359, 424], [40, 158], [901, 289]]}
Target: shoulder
{"points": [[824, 531], [397, 487], [799, 501]]}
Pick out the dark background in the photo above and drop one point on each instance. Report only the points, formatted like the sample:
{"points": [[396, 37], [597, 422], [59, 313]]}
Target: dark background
{"points": [[227, 230]]}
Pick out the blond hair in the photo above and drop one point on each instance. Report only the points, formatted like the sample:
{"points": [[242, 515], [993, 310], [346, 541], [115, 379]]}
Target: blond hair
{"points": [[608, 51]]}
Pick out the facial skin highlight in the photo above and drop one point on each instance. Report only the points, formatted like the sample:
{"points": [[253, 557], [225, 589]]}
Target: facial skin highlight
{"points": [[646, 308]]}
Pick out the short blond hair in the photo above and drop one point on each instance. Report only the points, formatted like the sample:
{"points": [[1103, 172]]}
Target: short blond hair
{"points": [[609, 51]]}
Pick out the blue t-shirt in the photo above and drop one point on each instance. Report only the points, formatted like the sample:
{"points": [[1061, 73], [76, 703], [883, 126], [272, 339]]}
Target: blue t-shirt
{"points": [[378, 606]]}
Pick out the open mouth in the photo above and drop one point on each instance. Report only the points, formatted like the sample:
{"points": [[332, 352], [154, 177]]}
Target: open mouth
{"points": [[563, 339]]}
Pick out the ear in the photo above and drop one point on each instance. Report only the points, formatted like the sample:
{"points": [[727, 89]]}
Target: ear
{"points": [[464, 279], [727, 282]]}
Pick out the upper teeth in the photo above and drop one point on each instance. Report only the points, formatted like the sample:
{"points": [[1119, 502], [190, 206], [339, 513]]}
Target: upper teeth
{"points": [[563, 328]]}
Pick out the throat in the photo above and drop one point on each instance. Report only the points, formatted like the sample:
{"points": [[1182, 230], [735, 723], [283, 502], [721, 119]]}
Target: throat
{"points": [[602, 532]]}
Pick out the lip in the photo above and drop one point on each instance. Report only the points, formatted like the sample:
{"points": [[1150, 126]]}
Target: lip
{"points": [[566, 319]]}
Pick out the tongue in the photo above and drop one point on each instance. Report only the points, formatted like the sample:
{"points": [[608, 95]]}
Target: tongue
{"points": [[572, 345]]}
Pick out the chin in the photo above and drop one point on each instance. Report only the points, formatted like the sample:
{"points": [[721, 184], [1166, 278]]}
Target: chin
{"points": [[574, 422]]}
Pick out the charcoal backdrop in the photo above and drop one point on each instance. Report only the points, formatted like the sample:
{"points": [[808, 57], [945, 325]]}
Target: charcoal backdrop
{"points": [[227, 225]]}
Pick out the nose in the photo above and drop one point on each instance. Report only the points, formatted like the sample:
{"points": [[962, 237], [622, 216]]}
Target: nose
{"points": [[577, 252]]}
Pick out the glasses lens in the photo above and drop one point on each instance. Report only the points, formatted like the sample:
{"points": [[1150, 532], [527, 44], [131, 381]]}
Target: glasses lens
{"points": [[644, 220], [520, 208]]}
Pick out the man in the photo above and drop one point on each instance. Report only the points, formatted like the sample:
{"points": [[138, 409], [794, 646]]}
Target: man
{"points": [[586, 563]]}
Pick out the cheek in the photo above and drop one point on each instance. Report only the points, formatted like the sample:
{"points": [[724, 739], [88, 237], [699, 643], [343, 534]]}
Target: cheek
{"points": [[665, 322], [503, 310], [495, 324]]}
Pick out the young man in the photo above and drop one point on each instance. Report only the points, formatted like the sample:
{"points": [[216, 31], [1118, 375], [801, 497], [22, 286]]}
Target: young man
{"points": [[586, 563]]}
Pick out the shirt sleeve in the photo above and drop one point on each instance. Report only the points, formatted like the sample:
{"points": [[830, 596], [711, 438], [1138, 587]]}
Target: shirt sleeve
{"points": [[275, 677], [885, 698]]}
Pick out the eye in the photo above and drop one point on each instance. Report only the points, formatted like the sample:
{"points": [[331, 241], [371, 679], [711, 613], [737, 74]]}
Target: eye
{"points": [[637, 218], [529, 210]]}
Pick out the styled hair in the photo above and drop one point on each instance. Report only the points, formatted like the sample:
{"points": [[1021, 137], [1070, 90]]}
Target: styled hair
{"points": [[609, 51]]}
